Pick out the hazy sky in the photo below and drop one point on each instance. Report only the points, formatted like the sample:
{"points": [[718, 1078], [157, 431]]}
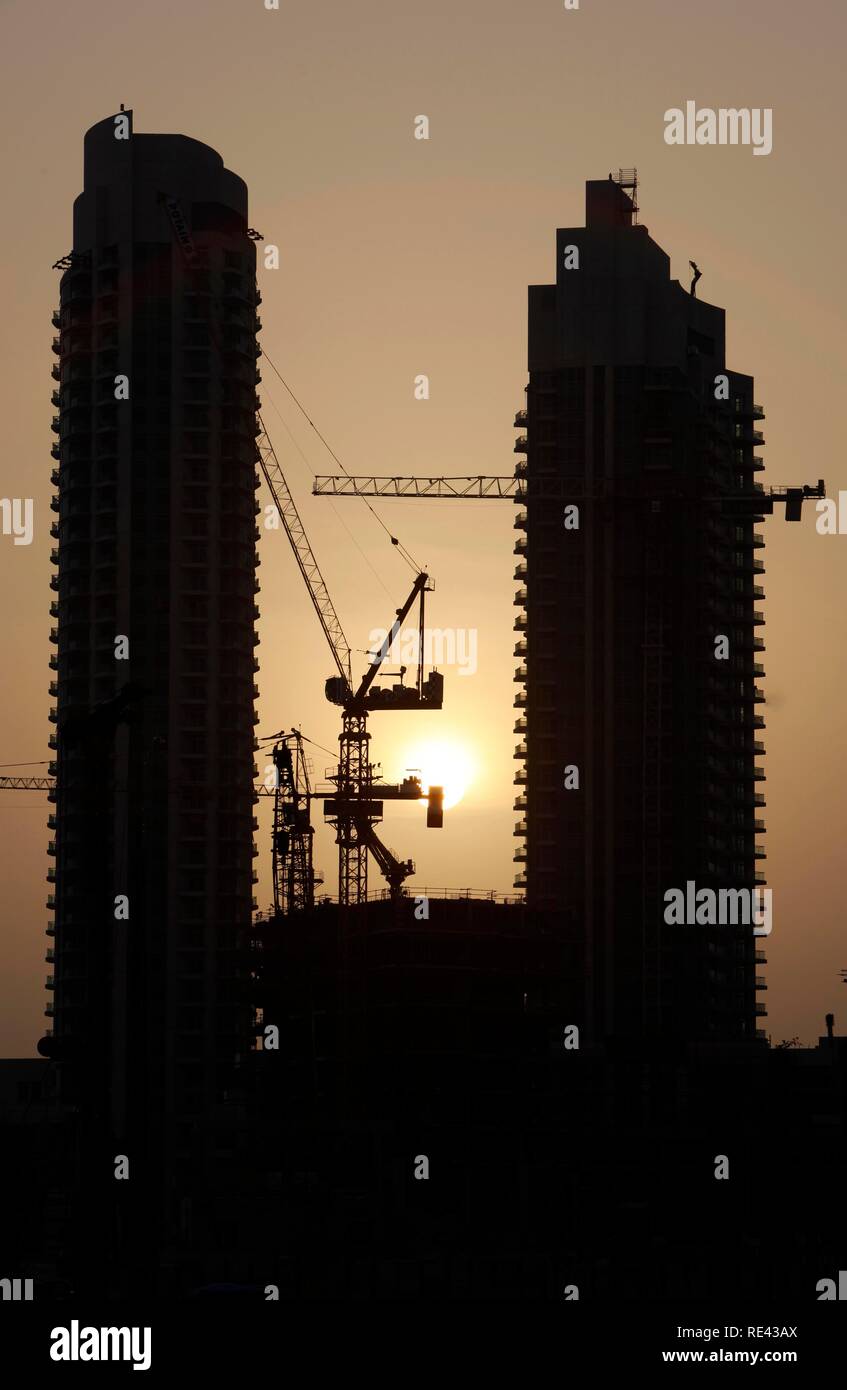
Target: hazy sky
{"points": [[401, 257]]}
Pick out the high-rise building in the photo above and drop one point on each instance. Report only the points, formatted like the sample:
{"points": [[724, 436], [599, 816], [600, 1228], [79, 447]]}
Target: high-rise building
{"points": [[154, 664], [639, 634]]}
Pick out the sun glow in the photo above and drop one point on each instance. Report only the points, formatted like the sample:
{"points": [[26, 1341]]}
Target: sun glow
{"points": [[442, 763]]}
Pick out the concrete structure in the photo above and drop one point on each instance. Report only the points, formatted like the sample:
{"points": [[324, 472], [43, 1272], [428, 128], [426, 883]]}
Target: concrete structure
{"points": [[154, 669], [624, 598]]}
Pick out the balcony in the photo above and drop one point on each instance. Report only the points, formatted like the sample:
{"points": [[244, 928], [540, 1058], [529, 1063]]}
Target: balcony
{"points": [[520, 648], [760, 1008], [520, 778], [520, 598], [56, 345], [56, 372], [519, 881], [519, 726], [520, 418], [521, 828], [520, 623], [519, 803], [519, 701], [50, 982], [521, 444], [49, 955], [520, 572], [520, 751], [519, 856], [521, 522], [520, 546], [761, 982], [520, 674]]}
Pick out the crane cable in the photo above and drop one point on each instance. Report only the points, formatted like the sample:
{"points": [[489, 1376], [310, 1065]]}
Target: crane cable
{"points": [[336, 512], [394, 541]]}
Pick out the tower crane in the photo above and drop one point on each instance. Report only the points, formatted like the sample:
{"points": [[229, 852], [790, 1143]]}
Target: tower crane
{"points": [[294, 877], [513, 488], [355, 803]]}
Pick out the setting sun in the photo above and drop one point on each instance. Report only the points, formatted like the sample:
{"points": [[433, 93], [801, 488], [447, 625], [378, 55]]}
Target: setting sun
{"points": [[442, 763]]}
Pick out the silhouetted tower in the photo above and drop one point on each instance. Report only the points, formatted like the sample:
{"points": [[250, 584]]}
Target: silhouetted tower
{"points": [[156, 397], [618, 622]]}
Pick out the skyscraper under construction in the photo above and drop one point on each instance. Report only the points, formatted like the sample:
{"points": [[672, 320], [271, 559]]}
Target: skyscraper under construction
{"points": [[639, 634], [154, 668]]}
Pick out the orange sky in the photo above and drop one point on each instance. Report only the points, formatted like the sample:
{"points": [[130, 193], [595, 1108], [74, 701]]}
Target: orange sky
{"points": [[401, 257]]}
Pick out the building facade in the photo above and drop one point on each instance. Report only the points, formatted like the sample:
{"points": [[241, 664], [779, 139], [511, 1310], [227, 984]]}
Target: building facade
{"points": [[154, 601], [637, 554]]}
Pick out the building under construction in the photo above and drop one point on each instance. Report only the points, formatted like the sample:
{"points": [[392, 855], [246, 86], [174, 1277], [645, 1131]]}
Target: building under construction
{"points": [[638, 550]]}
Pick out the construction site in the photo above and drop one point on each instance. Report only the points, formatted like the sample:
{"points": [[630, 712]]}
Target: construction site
{"points": [[368, 1091]]}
